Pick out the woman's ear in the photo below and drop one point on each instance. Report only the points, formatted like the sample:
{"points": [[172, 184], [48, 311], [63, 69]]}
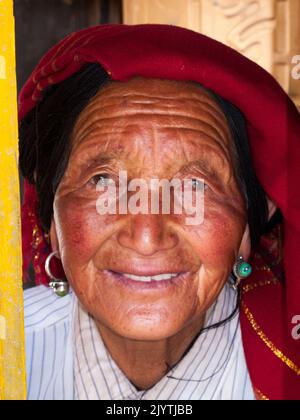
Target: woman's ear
{"points": [[53, 237], [245, 247], [272, 207]]}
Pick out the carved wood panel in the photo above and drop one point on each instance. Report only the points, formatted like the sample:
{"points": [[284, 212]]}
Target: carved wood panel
{"points": [[266, 31]]}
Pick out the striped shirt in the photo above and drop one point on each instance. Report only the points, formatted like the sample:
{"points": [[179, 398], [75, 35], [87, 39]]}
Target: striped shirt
{"points": [[67, 359]]}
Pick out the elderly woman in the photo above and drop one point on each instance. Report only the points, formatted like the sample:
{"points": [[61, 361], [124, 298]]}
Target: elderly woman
{"points": [[142, 304]]}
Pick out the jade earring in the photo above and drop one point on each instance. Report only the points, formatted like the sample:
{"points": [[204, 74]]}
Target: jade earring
{"points": [[241, 270]]}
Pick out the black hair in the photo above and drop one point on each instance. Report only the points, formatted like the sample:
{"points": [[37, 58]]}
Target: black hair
{"points": [[255, 196], [45, 144], [45, 132]]}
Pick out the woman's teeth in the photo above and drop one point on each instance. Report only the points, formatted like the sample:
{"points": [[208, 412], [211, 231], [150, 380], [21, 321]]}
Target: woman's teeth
{"points": [[159, 277]]}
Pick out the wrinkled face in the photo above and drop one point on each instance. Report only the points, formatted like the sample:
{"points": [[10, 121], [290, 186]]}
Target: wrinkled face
{"points": [[151, 129]]}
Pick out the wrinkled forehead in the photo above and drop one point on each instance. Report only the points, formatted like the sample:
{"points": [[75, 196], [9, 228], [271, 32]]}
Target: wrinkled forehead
{"points": [[162, 88], [156, 91], [153, 125], [142, 101]]}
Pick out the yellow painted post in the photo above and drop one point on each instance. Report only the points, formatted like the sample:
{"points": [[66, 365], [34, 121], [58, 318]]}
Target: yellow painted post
{"points": [[12, 370]]}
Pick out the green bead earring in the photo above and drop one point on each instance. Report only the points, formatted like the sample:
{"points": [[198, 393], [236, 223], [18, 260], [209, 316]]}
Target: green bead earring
{"points": [[241, 270]]}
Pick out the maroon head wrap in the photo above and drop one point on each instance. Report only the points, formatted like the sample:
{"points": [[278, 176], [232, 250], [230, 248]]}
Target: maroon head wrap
{"points": [[273, 123]]}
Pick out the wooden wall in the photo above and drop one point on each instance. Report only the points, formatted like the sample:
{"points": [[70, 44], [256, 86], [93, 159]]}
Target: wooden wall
{"points": [[266, 31], [42, 23]]}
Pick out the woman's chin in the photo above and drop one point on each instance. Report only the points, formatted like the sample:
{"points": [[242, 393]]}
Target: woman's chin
{"points": [[143, 332], [147, 325]]}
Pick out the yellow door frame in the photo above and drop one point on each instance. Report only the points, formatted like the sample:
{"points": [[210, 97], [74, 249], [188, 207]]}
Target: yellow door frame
{"points": [[12, 354]]}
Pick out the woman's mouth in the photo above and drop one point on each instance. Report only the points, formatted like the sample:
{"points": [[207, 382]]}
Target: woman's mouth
{"points": [[159, 277], [152, 281]]}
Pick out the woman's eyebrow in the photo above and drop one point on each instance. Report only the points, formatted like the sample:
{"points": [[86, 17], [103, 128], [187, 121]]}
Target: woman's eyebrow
{"points": [[200, 164], [206, 167], [92, 162]]}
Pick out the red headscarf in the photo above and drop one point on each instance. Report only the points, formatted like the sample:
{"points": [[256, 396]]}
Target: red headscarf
{"points": [[273, 124]]}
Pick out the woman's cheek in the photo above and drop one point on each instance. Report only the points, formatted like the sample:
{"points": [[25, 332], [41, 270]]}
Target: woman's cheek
{"points": [[218, 237], [80, 228]]}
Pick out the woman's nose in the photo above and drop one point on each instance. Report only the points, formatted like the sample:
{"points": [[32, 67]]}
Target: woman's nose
{"points": [[147, 234]]}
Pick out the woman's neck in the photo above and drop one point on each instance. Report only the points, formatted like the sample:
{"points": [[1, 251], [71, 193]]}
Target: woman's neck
{"points": [[146, 362]]}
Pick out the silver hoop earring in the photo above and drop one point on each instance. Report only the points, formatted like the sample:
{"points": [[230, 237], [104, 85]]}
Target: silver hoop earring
{"points": [[59, 286]]}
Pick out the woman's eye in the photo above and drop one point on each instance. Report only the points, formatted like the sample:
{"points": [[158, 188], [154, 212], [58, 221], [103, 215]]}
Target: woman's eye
{"points": [[100, 180], [198, 184]]}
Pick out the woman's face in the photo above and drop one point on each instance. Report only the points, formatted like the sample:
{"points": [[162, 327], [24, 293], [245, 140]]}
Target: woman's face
{"points": [[152, 129]]}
